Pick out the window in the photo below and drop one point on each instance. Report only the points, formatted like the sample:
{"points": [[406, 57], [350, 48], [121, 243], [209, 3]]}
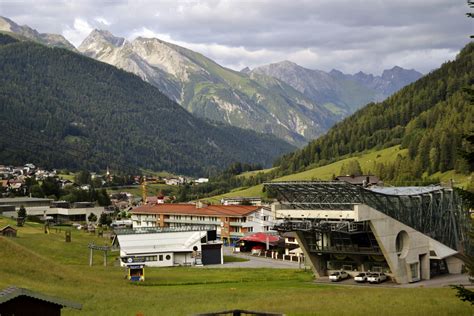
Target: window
{"points": [[151, 258], [168, 257], [265, 218], [250, 229], [161, 257], [265, 228], [291, 239]]}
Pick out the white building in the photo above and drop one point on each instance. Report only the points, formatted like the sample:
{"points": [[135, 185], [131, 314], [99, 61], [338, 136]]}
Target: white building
{"points": [[201, 180], [231, 221], [238, 200], [169, 247]]}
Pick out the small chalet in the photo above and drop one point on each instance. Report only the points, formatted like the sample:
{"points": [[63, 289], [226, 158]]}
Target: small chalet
{"points": [[364, 180], [19, 301], [8, 231]]}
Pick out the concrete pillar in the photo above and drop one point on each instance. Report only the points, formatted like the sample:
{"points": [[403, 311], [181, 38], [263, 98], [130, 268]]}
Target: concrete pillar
{"points": [[425, 266], [317, 263]]}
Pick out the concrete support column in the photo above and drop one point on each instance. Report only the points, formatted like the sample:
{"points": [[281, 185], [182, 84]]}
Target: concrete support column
{"points": [[317, 263], [425, 266]]}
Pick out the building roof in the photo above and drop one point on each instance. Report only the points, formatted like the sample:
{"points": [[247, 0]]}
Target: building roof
{"points": [[8, 226], [191, 209], [22, 199], [262, 238], [134, 244], [405, 190], [14, 292]]}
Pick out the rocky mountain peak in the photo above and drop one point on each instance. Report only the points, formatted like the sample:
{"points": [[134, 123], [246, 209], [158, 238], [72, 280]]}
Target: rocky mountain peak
{"points": [[8, 25], [246, 70], [104, 37], [398, 74]]}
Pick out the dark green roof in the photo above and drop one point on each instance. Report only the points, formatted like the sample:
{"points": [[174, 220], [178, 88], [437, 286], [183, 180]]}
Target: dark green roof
{"points": [[14, 292]]}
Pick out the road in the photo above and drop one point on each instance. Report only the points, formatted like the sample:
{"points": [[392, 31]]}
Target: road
{"points": [[254, 262]]}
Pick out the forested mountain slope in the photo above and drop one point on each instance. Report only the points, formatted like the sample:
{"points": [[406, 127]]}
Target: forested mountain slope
{"points": [[60, 109], [431, 117]]}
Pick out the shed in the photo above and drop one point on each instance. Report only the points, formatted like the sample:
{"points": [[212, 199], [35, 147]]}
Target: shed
{"points": [[8, 231], [20, 301]]}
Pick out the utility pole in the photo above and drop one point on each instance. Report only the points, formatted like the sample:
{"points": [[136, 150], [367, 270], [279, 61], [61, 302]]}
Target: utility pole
{"points": [[144, 193]]}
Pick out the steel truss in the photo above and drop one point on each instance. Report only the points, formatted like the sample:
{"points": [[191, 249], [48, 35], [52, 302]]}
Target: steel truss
{"points": [[434, 211]]}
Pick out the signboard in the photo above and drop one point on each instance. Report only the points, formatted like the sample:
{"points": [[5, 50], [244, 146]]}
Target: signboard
{"points": [[133, 259], [95, 247], [138, 266]]}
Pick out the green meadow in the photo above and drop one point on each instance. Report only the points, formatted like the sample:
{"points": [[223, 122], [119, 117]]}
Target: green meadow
{"points": [[47, 264]]}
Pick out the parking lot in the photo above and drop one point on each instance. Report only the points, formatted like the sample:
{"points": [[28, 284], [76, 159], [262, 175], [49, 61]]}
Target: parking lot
{"points": [[436, 282]]}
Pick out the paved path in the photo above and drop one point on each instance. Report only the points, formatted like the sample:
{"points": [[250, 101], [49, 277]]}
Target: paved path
{"points": [[254, 262]]}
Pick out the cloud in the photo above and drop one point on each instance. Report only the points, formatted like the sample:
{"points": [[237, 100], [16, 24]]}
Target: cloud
{"points": [[78, 32], [348, 35], [102, 20]]}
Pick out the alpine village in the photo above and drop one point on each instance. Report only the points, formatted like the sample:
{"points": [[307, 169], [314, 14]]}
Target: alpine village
{"points": [[236, 158]]}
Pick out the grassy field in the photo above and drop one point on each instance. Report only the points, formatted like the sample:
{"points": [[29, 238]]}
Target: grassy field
{"points": [[45, 263], [248, 174], [367, 162], [234, 259]]}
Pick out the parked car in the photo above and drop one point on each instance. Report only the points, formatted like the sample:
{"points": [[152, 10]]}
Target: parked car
{"points": [[361, 277], [338, 276], [376, 277]]}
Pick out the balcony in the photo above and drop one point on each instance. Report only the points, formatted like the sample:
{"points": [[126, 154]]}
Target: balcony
{"points": [[240, 224], [192, 221]]}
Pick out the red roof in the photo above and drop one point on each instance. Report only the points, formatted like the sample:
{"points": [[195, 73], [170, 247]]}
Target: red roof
{"points": [[191, 209], [262, 238]]}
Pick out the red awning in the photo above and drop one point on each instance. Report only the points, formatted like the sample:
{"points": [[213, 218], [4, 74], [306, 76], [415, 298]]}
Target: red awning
{"points": [[261, 238]]}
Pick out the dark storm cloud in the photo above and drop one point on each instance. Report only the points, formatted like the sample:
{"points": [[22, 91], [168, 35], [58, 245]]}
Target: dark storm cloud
{"points": [[348, 35]]}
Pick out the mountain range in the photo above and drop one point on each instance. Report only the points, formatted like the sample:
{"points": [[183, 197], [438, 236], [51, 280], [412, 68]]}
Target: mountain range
{"points": [[61, 109], [294, 103], [209, 90], [340, 93]]}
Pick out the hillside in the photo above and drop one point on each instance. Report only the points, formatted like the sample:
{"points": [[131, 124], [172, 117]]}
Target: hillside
{"points": [[368, 162], [63, 110], [430, 118], [211, 91]]}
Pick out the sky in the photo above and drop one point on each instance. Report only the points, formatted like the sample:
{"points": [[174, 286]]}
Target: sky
{"points": [[351, 36]]}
